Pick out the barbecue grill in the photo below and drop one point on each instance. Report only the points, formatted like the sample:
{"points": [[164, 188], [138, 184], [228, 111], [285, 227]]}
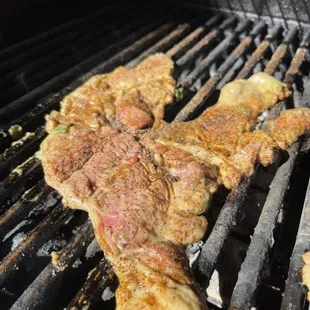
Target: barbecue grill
{"points": [[251, 254]]}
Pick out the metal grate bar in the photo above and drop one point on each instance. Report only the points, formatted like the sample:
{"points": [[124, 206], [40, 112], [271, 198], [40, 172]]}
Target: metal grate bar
{"points": [[223, 226], [39, 291], [258, 53], [282, 13], [193, 36], [206, 41], [262, 240], [10, 154], [293, 297], [162, 44], [19, 106], [25, 77], [47, 35], [299, 58], [20, 209], [98, 279], [16, 61], [210, 85], [214, 54], [22, 174], [281, 51], [38, 236]]}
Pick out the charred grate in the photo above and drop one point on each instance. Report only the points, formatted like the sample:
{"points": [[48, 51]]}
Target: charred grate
{"points": [[33, 222]]}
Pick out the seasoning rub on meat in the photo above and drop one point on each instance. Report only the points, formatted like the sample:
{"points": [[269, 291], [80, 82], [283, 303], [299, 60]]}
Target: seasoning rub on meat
{"points": [[146, 190]]}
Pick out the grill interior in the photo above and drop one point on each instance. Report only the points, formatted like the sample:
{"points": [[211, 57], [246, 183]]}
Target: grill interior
{"points": [[244, 258]]}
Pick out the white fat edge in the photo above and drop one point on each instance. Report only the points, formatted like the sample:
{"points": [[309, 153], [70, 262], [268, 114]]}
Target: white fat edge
{"points": [[17, 240], [21, 141], [107, 294], [16, 228]]}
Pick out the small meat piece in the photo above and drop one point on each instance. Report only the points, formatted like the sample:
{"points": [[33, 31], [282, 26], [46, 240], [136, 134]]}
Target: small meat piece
{"points": [[254, 147], [291, 124], [306, 272], [130, 99]]}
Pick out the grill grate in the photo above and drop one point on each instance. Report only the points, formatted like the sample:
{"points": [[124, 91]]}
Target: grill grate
{"points": [[294, 294], [204, 53]]}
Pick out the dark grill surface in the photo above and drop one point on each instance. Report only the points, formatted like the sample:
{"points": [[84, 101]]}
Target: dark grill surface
{"points": [[209, 50]]}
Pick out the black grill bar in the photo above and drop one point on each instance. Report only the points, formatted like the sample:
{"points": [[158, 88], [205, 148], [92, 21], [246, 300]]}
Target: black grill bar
{"points": [[19, 106], [39, 291], [206, 41], [22, 174], [19, 82], [38, 236], [21, 208], [259, 52], [210, 85], [66, 38], [223, 226], [262, 240], [98, 279], [162, 44], [192, 38], [214, 54], [281, 51], [11, 154], [293, 297], [48, 35], [299, 58]]}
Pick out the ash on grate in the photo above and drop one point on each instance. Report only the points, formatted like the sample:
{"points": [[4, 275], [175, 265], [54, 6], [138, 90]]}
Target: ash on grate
{"points": [[225, 274]]}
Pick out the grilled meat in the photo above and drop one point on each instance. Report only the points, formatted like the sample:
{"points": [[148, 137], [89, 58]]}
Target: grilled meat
{"points": [[222, 136], [127, 197], [130, 99], [291, 124], [145, 193]]}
